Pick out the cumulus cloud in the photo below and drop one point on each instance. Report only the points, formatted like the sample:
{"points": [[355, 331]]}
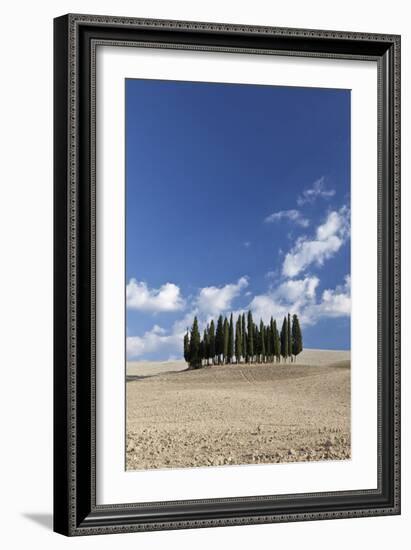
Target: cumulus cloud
{"points": [[156, 341], [297, 289], [328, 239], [166, 298], [291, 295], [334, 303], [265, 306], [318, 190], [300, 296], [213, 300], [291, 215], [209, 303]]}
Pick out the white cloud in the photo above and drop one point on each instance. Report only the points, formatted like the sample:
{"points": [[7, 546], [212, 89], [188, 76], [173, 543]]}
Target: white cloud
{"points": [[246, 244], [328, 239], [213, 300], [134, 346], [290, 296], [158, 330], [207, 305], [165, 298], [291, 215], [334, 303], [317, 190], [297, 289], [156, 341], [265, 306], [336, 223], [300, 296]]}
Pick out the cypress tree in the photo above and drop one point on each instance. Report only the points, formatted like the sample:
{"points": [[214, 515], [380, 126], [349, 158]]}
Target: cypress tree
{"points": [[201, 352], [290, 343], [206, 346], [211, 342], [277, 344], [268, 341], [250, 341], [284, 339], [244, 335], [238, 340], [187, 347], [195, 358], [225, 340], [219, 339], [262, 341], [297, 337], [231, 340], [256, 343], [272, 339]]}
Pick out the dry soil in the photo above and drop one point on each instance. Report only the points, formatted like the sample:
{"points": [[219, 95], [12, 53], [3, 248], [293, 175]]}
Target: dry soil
{"points": [[238, 414]]}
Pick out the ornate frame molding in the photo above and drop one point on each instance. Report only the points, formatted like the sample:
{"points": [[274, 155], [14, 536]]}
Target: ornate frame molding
{"points": [[76, 40]]}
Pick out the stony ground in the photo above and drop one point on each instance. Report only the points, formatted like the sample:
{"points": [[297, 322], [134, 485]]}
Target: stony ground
{"points": [[239, 414]]}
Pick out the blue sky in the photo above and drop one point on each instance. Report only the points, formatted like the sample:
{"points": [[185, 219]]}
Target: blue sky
{"points": [[237, 197]]}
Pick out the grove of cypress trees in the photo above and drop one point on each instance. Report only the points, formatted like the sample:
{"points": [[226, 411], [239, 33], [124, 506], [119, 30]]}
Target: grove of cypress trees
{"points": [[284, 339], [297, 337], [219, 339], [290, 343], [260, 343], [250, 341], [195, 357]]}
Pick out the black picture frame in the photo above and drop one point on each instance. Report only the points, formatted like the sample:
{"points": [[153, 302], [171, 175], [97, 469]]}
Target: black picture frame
{"points": [[75, 40]]}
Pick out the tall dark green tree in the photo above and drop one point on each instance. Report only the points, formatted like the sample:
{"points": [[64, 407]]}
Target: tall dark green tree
{"points": [[272, 338], [231, 340], [290, 339], [238, 340], [250, 341], [277, 342], [206, 346], [268, 342], [219, 339], [284, 339], [297, 337], [226, 329], [187, 347], [256, 344], [211, 341], [201, 352], [244, 336], [195, 357], [262, 341]]}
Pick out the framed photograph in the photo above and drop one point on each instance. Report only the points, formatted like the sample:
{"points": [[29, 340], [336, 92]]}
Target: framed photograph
{"points": [[227, 274]]}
